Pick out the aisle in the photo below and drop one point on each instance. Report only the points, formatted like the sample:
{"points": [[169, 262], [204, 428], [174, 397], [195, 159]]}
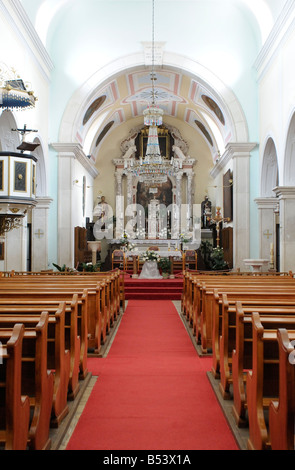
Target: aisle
{"points": [[152, 391]]}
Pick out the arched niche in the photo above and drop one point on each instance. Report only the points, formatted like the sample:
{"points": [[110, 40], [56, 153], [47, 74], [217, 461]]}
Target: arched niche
{"points": [[269, 171], [9, 140], [289, 166]]}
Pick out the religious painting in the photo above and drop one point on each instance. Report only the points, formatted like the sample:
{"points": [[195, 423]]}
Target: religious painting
{"points": [[164, 139], [228, 195], [2, 251], [214, 107], [161, 192]]}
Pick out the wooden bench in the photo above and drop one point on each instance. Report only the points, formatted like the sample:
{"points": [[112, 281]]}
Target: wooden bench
{"points": [[282, 411], [114, 278], [58, 357], [37, 383], [227, 341], [75, 324], [209, 305], [197, 302], [262, 384], [14, 407], [101, 312], [190, 277]]}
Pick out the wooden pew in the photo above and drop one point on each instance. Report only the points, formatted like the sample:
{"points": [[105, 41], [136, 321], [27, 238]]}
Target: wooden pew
{"points": [[98, 322], [282, 411], [214, 278], [210, 304], [115, 278], [227, 342], [41, 294], [263, 379], [14, 407], [58, 356], [37, 383], [75, 326]]}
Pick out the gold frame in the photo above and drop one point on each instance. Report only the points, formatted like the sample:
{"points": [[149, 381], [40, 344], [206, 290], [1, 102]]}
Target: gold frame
{"points": [[163, 133]]}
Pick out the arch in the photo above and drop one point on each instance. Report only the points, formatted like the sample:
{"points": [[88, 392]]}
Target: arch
{"points": [[269, 171], [9, 141], [230, 106], [289, 163], [41, 185]]}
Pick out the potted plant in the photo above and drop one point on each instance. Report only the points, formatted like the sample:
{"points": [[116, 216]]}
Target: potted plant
{"points": [[164, 265], [217, 259], [91, 268]]}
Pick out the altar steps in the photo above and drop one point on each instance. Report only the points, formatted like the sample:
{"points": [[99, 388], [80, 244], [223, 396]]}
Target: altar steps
{"points": [[153, 289]]}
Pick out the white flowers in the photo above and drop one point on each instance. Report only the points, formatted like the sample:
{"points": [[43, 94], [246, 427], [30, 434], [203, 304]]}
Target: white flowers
{"points": [[150, 255]]}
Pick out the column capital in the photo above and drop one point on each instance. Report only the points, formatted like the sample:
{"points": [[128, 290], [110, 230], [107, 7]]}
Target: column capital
{"points": [[233, 150], [74, 150], [285, 192], [266, 202]]}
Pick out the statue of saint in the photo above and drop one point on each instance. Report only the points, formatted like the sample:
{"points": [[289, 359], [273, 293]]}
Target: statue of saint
{"points": [[206, 208]]}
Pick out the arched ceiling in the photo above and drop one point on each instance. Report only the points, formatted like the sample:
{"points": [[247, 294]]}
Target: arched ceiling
{"points": [[42, 12], [179, 95], [126, 95]]}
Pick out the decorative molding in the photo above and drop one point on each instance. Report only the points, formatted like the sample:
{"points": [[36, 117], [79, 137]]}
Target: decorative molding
{"points": [[233, 150], [285, 192], [280, 31], [43, 202], [266, 202], [76, 151], [29, 35]]}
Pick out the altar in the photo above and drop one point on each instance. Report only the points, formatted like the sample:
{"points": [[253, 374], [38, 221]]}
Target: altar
{"points": [[150, 270]]}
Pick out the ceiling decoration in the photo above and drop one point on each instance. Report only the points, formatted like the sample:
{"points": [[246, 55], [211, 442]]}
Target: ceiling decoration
{"points": [[104, 132], [93, 108], [214, 107], [205, 132]]}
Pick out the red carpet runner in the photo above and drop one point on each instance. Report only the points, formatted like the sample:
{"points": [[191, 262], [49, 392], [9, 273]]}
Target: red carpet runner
{"points": [[152, 392]]}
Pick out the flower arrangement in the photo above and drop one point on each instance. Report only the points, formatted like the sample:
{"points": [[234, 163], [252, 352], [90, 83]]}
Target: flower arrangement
{"points": [[165, 265], [185, 237], [150, 255]]}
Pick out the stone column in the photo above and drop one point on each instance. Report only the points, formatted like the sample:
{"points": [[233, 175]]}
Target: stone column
{"points": [[238, 155], [177, 212], [267, 225], [286, 197], [190, 198], [40, 234]]}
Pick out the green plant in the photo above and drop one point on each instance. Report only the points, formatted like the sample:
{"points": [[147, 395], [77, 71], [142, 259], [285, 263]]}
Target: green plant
{"points": [[206, 250], [217, 259], [62, 269], [165, 265], [89, 267]]}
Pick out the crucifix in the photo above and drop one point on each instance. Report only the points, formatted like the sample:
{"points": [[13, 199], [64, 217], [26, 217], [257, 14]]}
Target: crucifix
{"points": [[218, 219], [26, 146]]}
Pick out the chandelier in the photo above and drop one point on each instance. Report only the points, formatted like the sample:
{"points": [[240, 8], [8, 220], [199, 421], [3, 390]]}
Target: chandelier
{"points": [[153, 168], [14, 93]]}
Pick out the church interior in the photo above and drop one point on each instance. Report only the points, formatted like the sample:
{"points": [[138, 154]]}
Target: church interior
{"points": [[135, 133]]}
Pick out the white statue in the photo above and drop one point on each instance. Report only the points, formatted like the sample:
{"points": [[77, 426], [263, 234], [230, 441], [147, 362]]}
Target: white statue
{"points": [[178, 153], [130, 152]]}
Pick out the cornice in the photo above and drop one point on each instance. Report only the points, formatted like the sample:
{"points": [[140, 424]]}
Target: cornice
{"points": [[15, 13], [75, 151], [233, 150], [266, 202], [285, 192], [282, 28]]}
